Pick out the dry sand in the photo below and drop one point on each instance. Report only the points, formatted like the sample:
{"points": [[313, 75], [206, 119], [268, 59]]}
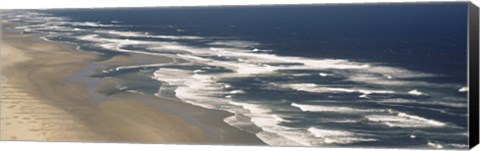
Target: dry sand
{"points": [[37, 104]]}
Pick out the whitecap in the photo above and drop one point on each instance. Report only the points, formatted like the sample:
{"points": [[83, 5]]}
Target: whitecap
{"points": [[435, 145], [325, 74], [311, 87], [300, 74], [415, 92], [198, 71], [413, 136], [404, 120], [234, 43], [339, 109], [237, 92], [463, 89], [147, 35], [408, 101], [260, 50], [458, 145], [363, 96], [91, 24], [337, 136]]}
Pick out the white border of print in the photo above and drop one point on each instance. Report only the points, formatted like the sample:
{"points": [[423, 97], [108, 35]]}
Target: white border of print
{"points": [[45, 4], [61, 146]]}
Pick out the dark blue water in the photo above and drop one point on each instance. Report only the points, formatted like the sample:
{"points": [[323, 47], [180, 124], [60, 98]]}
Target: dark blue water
{"points": [[376, 75], [411, 34]]}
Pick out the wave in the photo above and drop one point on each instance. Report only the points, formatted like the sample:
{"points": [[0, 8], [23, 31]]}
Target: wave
{"points": [[463, 89], [392, 119], [404, 120], [338, 109], [146, 35], [270, 125], [465, 146], [91, 24], [337, 136], [445, 102], [415, 92], [204, 91], [326, 74], [435, 145], [315, 88], [234, 43]]}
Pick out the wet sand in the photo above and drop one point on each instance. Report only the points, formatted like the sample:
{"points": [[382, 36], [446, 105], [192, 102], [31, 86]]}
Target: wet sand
{"points": [[46, 95]]}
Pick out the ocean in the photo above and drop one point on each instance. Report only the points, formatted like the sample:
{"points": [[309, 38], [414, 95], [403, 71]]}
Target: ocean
{"points": [[350, 75]]}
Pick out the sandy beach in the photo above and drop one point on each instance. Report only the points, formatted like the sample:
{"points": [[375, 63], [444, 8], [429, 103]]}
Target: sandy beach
{"points": [[46, 96]]}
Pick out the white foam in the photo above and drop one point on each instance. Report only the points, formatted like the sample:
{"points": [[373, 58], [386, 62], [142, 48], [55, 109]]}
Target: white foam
{"points": [[463, 89], [337, 136], [339, 109], [328, 133], [363, 96], [325, 74], [198, 71], [197, 89], [234, 121], [253, 63], [172, 76], [415, 92], [458, 145], [91, 37], [234, 43], [413, 136], [176, 37], [383, 75], [260, 50], [398, 100], [404, 120], [117, 44], [435, 145], [345, 121], [135, 91], [237, 92], [226, 86], [242, 68], [300, 74], [147, 35], [444, 102], [262, 117], [370, 78], [418, 118], [91, 24], [321, 63], [311, 87], [121, 33], [277, 140]]}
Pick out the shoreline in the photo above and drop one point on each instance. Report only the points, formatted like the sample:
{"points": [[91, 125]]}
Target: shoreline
{"points": [[61, 109]]}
